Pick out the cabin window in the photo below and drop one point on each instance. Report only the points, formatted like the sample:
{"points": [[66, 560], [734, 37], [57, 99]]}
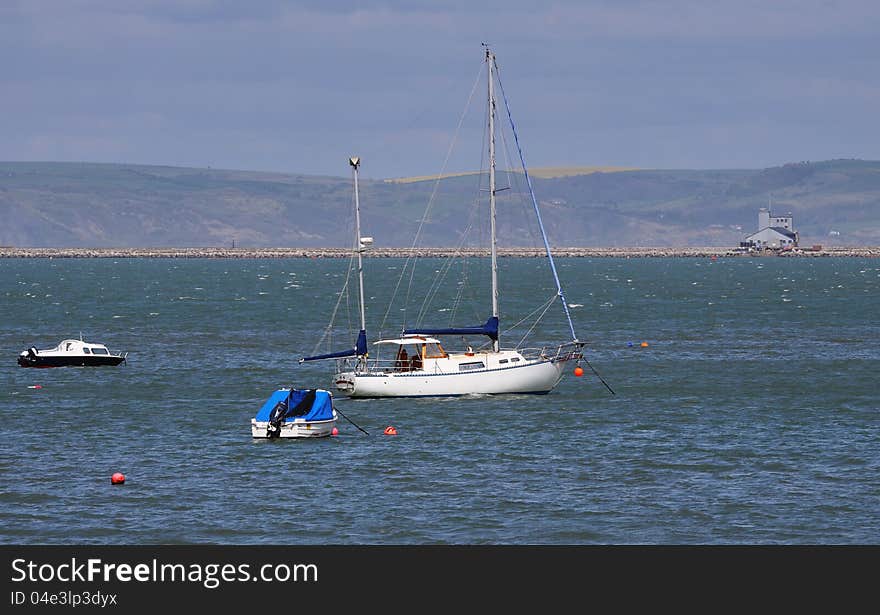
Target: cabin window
{"points": [[86, 351], [434, 351], [514, 360], [99, 351], [468, 367], [503, 361]]}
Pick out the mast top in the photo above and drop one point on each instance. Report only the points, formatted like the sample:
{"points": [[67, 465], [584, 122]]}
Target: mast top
{"points": [[354, 161]]}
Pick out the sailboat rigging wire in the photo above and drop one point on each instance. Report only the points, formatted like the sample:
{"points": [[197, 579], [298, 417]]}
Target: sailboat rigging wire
{"points": [[513, 181], [411, 257], [535, 204], [443, 273], [546, 307], [463, 282], [431, 199], [457, 254], [434, 289], [465, 235], [343, 293]]}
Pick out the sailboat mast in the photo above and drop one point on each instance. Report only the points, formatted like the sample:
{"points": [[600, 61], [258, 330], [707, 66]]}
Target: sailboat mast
{"points": [[490, 61], [355, 162]]}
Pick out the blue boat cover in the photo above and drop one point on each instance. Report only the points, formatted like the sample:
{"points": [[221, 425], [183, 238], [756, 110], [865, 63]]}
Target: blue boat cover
{"points": [[490, 329], [322, 407]]}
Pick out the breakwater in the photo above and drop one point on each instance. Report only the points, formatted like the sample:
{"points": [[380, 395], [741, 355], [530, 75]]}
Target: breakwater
{"points": [[636, 252]]}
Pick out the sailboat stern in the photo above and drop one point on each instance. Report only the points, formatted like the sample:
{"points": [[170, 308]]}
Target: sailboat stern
{"points": [[345, 382]]}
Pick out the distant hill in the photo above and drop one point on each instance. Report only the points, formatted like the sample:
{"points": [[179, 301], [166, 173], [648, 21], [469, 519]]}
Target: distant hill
{"points": [[835, 202], [542, 172]]}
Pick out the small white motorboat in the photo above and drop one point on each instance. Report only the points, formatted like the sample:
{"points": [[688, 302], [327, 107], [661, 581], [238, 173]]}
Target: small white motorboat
{"points": [[295, 413], [71, 353]]}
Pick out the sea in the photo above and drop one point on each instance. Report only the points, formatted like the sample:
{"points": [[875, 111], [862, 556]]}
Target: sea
{"points": [[723, 401]]}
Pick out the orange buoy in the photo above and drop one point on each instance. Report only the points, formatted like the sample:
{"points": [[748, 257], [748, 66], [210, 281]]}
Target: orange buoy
{"points": [[644, 344], [335, 432], [117, 479], [578, 371], [390, 431]]}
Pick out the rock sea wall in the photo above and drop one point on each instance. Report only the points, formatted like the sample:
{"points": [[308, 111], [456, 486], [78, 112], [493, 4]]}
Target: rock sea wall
{"points": [[636, 252]]}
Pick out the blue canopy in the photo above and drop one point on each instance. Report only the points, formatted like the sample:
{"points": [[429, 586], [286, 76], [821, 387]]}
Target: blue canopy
{"points": [[321, 408], [490, 329]]}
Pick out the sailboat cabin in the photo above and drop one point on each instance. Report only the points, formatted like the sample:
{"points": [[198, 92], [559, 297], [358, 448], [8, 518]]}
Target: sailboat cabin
{"points": [[414, 350]]}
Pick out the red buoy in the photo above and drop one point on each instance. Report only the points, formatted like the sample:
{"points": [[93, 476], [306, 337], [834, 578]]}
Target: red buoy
{"points": [[335, 432], [390, 431], [578, 371], [117, 479]]}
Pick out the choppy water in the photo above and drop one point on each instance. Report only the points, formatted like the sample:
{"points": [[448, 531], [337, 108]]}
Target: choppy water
{"points": [[751, 417]]}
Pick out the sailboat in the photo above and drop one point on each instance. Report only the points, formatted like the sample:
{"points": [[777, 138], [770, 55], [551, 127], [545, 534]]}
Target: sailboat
{"points": [[422, 366]]}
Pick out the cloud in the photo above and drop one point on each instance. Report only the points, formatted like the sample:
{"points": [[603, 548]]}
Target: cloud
{"points": [[295, 86]]}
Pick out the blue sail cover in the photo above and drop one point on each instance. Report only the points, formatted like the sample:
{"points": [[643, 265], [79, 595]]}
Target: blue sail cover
{"points": [[322, 407], [490, 329], [359, 350]]}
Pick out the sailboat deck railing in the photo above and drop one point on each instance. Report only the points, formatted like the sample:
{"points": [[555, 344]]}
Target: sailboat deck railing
{"points": [[563, 352]]}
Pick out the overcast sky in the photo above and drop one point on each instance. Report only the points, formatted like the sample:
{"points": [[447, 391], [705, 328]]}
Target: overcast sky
{"points": [[300, 86]]}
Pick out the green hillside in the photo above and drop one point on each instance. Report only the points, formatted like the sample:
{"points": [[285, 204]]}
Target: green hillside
{"points": [[833, 202]]}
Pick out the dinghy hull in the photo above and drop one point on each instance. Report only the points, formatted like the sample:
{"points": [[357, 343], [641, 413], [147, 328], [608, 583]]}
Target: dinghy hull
{"points": [[295, 429]]}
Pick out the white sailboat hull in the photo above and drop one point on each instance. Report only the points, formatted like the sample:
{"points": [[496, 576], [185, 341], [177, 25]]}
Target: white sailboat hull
{"points": [[534, 377]]}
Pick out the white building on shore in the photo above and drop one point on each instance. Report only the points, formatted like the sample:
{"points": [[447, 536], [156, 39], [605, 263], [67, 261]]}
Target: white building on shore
{"points": [[774, 232]]}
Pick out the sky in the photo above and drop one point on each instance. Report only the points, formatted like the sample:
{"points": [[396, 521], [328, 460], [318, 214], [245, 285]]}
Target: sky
{"points": [[298, 87]]}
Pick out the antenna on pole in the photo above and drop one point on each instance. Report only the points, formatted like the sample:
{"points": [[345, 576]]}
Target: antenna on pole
{"points": [[361, 242]]}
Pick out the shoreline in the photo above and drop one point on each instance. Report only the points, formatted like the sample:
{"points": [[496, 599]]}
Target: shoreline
{"points": [[635, 252]]}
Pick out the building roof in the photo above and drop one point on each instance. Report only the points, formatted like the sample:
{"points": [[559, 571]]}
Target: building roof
{"points": [[776, 229], [783, 231]]}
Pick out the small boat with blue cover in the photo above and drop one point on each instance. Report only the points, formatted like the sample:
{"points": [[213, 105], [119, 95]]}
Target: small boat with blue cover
{"points": [[295, 413]]}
